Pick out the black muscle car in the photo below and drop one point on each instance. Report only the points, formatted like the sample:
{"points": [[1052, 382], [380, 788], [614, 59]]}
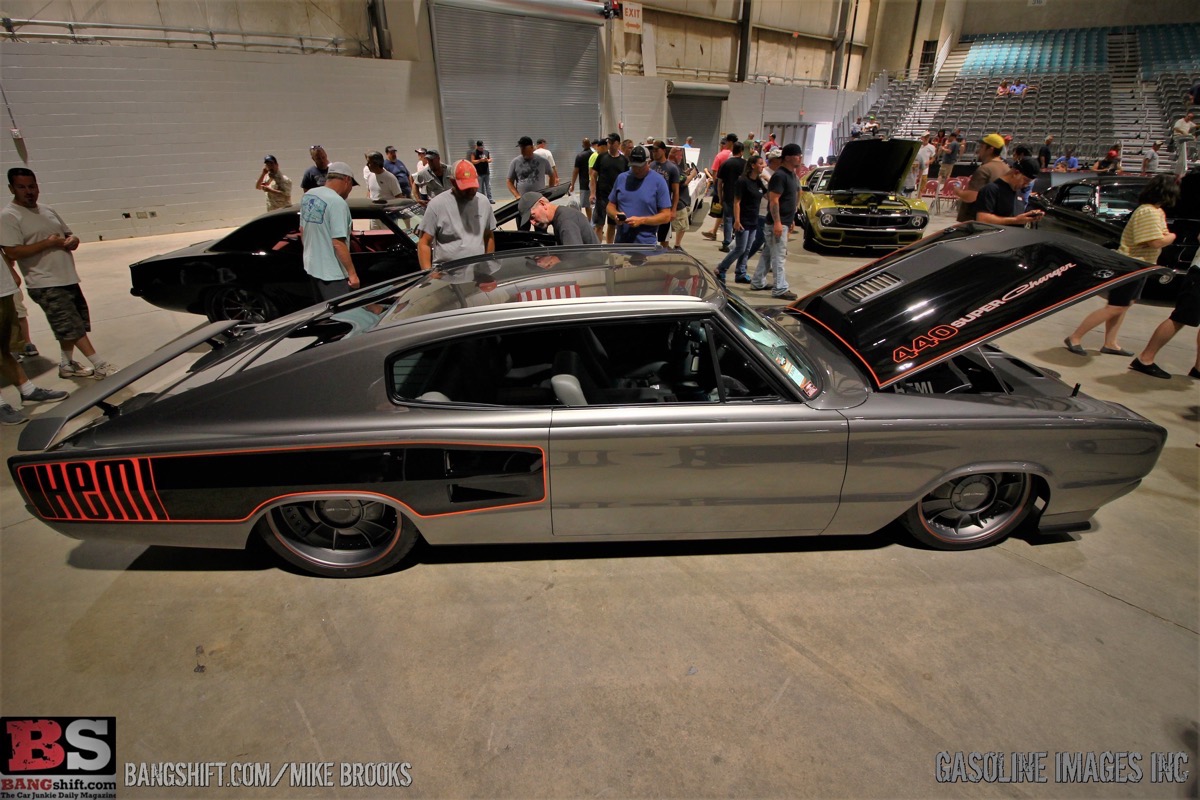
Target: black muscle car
{"points": [[256, 273]]}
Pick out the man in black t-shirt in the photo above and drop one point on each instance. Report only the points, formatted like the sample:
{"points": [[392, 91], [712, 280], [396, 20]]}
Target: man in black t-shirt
{"points": [[783, 192], [1045, 156], [482, 161], [727, 178], [670, 173], [604, 174], [997, 203], [581, 174]]}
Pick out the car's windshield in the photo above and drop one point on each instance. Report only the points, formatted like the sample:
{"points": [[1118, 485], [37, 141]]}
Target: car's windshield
{"points": [[770, 341], [407, 219]]}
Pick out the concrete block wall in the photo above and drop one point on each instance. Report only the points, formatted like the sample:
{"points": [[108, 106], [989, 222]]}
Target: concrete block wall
{"points": [[645, 106], [182, 133]]}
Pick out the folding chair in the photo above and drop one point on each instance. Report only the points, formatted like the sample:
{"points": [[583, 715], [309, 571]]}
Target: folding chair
{"points": [[947, 192]]}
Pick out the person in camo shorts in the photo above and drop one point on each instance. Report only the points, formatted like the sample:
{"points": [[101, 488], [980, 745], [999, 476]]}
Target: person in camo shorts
{"points": [[41, 243]]}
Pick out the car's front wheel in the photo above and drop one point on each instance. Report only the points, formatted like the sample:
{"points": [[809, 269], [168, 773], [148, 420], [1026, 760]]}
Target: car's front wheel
{"points": [[339, 536], [972, 511], [245, 305]]}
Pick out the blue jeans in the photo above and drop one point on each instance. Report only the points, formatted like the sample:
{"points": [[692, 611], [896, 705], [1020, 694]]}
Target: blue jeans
{"points": [[727, 224], [756, 246], [485, 185], [585, 201], [741, 243], [774, 255]]}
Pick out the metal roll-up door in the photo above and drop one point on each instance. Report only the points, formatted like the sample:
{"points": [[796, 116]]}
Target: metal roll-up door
{"points": [[694, 109], [508, 70]]}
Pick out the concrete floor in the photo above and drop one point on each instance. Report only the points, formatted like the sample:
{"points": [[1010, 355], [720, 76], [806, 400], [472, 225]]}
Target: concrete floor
{"points": [[788, 668]]}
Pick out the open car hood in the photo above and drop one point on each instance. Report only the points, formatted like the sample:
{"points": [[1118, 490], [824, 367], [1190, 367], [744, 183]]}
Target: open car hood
{"points": [[959, 289], [508, 211], [877, 165]]}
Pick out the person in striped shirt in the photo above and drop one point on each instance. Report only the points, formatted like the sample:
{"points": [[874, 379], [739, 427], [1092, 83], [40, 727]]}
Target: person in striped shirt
{"points": [[1144, 237]]}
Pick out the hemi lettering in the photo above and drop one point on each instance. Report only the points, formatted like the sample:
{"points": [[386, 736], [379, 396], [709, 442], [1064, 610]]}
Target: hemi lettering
{"points": [[116, 490]]}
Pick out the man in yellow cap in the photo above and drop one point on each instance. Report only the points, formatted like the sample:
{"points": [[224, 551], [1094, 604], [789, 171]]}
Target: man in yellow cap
{"points": [[457, 223], [991, 167]]}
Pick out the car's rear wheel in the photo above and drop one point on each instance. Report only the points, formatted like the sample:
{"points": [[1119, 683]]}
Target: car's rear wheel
{"points": [[235, 302], [339, 536], [972, 511]]}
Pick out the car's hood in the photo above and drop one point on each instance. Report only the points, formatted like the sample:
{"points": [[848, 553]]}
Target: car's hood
{"points": [[508, 211], [197, 249], [958, 289], [876, 165]]}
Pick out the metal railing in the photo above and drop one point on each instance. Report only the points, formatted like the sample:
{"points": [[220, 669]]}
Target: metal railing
{"points": [[211, 37]]}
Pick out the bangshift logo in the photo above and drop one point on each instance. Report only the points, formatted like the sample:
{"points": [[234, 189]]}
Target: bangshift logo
{"points": [[59, 745]]}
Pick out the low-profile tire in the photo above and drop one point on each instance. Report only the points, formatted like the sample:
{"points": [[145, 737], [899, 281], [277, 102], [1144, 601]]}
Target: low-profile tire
{"points": [[343, 536], [972, 511], [236, 302]]}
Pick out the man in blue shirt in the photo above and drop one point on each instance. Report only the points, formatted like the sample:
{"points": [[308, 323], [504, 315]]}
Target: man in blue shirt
{"points": [[397, 167], [640, 201], [325, 231]]}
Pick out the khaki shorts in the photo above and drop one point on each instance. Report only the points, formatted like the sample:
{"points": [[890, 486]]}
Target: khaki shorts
{"points": [[682, 221], [19, 302], [8, 325], [944, 172]]}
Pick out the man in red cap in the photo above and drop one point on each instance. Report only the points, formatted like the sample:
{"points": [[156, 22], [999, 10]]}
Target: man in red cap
{"points": [[457, 223]]}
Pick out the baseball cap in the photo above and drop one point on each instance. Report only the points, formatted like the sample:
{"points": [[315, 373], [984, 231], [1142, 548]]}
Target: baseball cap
{"points": [[599, 141], [270, 159], [639, 155], [421, 151], [994, 141], [1113, 153], [526, 204], [524, 141], [479, 142], [1028, 167], [791, 149], [465, 176], [340, 168], [432, 152], [660, 144], [775, 152]]}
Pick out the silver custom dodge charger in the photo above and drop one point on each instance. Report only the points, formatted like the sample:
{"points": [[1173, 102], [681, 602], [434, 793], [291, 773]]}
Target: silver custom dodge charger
{"points": [[605, 393]]}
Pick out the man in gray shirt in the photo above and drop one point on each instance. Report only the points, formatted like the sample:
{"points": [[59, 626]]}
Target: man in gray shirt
{"points": [[527, 172], [569, 223], [457, 223]]}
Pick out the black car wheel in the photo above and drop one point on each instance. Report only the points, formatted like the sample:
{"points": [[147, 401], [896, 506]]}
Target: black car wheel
{"points": [[339, 537], [246, 305], [972, 511]]}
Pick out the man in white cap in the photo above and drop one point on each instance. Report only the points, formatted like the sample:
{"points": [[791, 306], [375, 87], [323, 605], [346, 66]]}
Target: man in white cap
{"points": [[325, 226], [457, 223]]}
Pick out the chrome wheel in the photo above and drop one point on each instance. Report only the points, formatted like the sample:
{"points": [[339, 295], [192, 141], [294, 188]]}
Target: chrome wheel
{"points": [[340, 536], [246, 305], [971, 511]]}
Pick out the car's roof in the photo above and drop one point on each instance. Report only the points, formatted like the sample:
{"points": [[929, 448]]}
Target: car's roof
{"points": [[582, 274]]}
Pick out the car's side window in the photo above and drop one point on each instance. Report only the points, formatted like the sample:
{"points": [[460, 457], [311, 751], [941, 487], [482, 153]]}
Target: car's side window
{"points": [[661, 360], [1076, 197]]}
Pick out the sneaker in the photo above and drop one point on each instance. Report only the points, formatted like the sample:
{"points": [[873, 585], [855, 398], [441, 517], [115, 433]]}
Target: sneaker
{"points": [[770, 287], [724, 248], [31, 350], [1194, 373], [710, 235], [10, 416], [73, 369], [741, 279], [103, 371], [40, 395], [1153, 370], [785, 296]]}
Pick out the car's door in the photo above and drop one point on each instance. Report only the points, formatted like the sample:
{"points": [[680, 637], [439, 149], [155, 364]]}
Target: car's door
{"points": [[379, 250], [727, 451]]}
